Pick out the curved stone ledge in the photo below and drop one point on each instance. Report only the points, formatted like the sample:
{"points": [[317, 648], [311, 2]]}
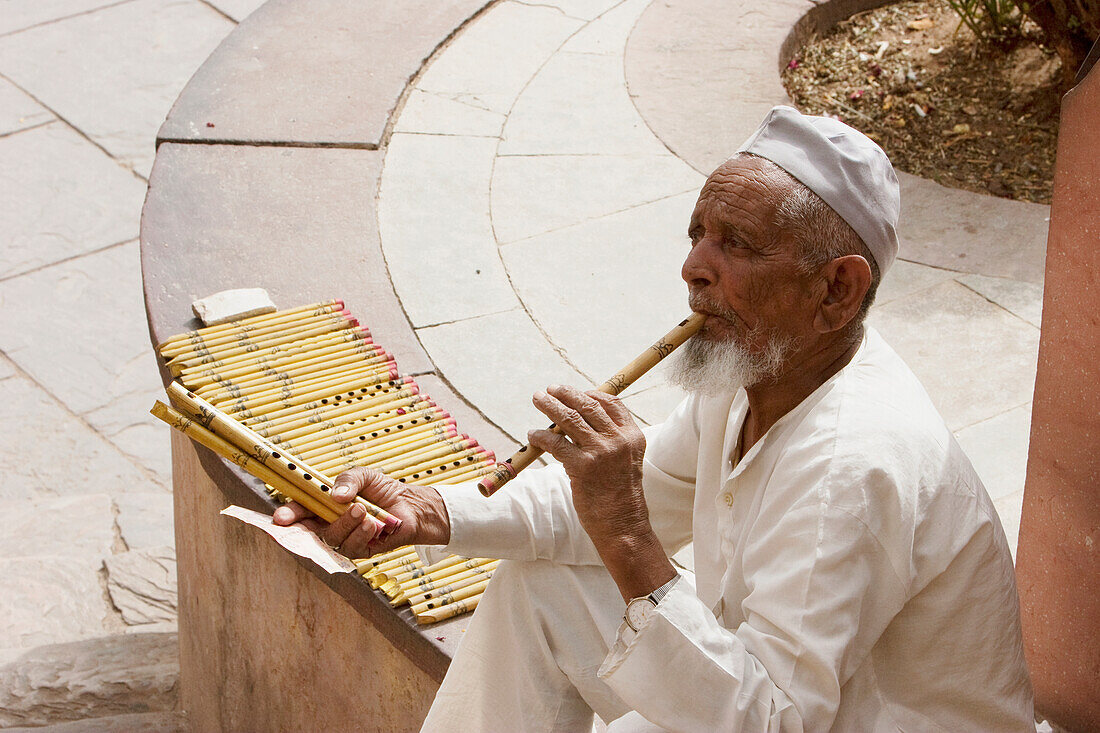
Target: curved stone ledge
{"points": [[703, 73], [322, 73], [279, 193]]}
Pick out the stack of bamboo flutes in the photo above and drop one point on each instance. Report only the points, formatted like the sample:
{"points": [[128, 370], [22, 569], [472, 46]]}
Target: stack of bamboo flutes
{"points": [[296, 397]]}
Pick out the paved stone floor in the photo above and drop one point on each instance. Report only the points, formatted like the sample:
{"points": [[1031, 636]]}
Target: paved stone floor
{"points": [[559, 186]]}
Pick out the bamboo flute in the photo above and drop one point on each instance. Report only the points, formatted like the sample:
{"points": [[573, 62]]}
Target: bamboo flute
{"points": [[196, 432], [289, 467], [641, 364], [180, 341]]}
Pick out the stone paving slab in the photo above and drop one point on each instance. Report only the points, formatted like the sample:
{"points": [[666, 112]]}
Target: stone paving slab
{"points": [[47, 451], [290, 75], [1022, 299], [142, 585], [490, 62], [608, 34], [61, 197], [115, 87], [127, 424], [500, 381], [605, 290], [89, 306], [145, 519], [577, 105], [906, 278], [18, 111], [238, 10], [998, 449], [434, 113], [19, 15], [170, 722], [971, 232], [50, 600], [433, 214], [80, 529], [582, 9], [310, 237], [94, 678], [536, 194], [991, 353]]}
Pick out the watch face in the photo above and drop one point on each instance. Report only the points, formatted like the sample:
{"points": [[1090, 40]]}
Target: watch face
{"points": [[638, 612]]}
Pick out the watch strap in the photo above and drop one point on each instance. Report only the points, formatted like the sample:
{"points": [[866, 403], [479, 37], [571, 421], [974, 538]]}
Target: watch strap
{"points": [[663, 591]]}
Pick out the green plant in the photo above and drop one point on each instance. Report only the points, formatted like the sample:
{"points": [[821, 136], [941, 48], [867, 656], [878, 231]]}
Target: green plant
{"points": [[990, 19]]}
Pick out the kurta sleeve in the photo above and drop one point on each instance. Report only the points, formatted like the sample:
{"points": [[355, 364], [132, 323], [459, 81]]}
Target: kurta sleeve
{"points": [[533, 518], [820, 591]]}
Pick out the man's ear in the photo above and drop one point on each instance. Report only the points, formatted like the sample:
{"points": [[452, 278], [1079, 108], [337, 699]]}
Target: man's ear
{"points": [[847, 280]]}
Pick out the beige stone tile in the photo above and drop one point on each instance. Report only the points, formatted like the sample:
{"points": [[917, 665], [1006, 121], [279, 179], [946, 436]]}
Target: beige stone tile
{"points": [[49, 600], [433, 113], [60, 196], [975, 359], [998, 449], [45, 451], [78, 328], [7, 369], [114, 73], [583, 9], [490, 61], [497, 362], [1010, 510], [654, 404], [536, 194], [433, 215], [80, 527], [605, 290], [145, 519], [20, 14], [238, 10], [18, 111], [607, 34], [905, 278], [126, 422], [1022, 299], [578, 104]]}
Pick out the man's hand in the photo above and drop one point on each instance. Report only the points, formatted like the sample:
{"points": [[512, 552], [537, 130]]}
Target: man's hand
{"points": [[420, 508], [601, 449]]}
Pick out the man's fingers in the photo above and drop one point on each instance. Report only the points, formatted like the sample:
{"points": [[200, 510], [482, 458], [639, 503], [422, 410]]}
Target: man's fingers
{"points": [[555, 444], [568, 420], [290, 513], [369, 483], [348, 524], [614, 407], [590, 409]]}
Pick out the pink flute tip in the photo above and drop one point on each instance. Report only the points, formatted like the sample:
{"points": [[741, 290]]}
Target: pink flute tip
{"points": [[354, 322], [344, 312], [339, 303], [393, 373], [451, 422]]}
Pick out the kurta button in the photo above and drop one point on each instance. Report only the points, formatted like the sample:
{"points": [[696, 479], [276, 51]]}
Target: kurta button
{"points": [[728, 498]]}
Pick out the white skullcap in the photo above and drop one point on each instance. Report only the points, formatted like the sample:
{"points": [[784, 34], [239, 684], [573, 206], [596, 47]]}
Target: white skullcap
{"points": [[841, 165]]}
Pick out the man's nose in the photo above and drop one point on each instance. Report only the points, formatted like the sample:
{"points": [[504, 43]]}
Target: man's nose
{"points": [[698, 270]]}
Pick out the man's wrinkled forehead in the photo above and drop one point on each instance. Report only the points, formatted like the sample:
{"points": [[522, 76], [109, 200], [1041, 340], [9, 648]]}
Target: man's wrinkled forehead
{"points": [[741, 187]]}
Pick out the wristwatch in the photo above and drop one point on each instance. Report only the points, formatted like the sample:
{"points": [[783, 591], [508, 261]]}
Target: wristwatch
{"points": [[639, 609]]}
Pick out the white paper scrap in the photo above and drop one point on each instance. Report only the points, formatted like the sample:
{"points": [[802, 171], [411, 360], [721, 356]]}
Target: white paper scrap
{"points": [[296, 539]]}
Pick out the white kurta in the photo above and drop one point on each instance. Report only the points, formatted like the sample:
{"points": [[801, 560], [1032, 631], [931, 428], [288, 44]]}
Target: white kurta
{"points": [[851, 572]]}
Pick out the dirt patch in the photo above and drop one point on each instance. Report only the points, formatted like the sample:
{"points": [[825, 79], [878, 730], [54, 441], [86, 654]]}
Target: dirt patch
{"points": [[966, 113]]}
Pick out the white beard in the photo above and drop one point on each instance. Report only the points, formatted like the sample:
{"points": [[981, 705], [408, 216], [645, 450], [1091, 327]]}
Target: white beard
{"points": [[710, 367]]}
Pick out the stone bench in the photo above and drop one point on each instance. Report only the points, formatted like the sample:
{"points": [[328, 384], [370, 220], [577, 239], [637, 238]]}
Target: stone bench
{"points": [[265, 176]]}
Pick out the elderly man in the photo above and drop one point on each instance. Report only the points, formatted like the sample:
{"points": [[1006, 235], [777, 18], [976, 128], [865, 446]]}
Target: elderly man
{"points": [[851, 573]]}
